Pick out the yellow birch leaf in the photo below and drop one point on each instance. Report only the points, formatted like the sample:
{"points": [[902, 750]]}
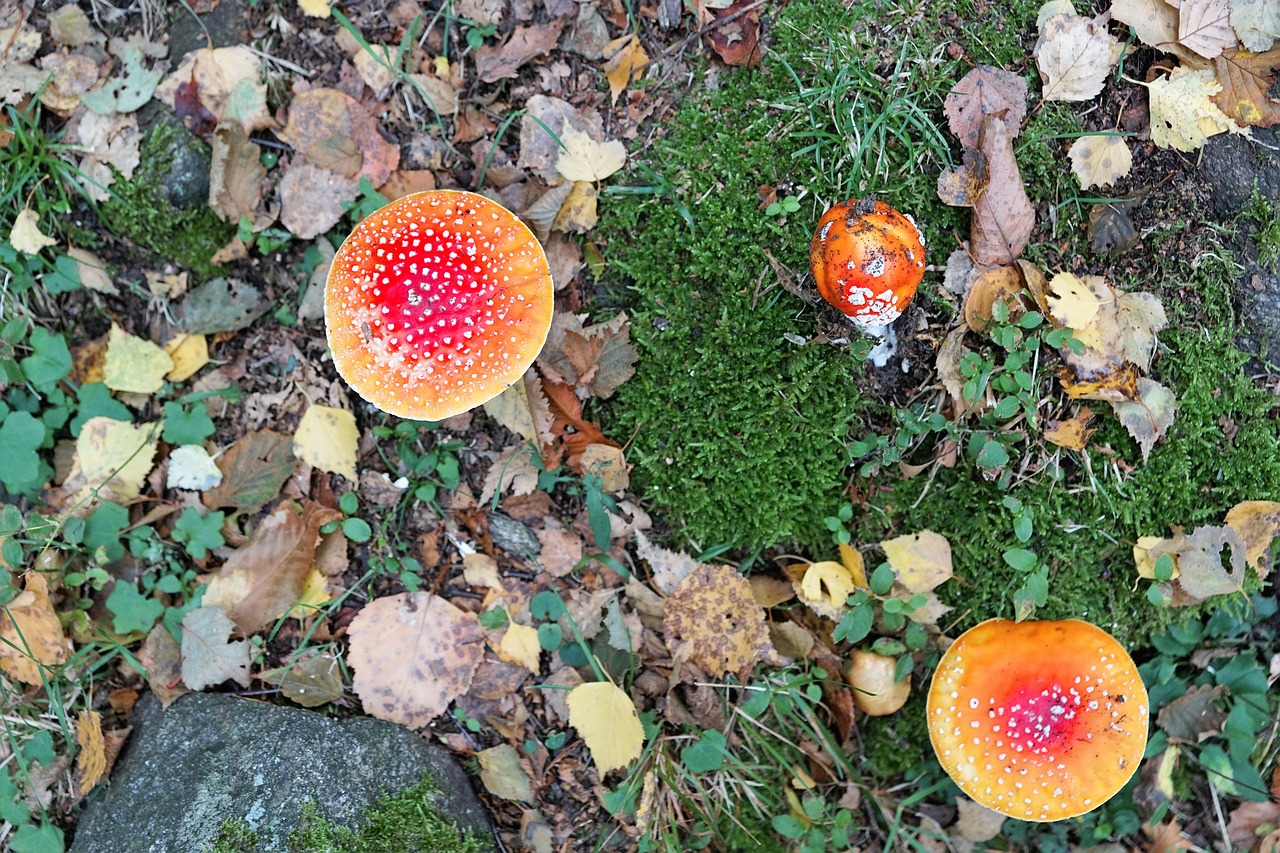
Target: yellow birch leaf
{"points": [[851, 559], [315, 8], [30, 633], [315, 592], [189, 354], [26, 236], [520, 646], [1183, 114], [825, 587], [578, 213], [134, 364], [1071, 302], [511, 409], [584, 159], [1258, 523], [920, 561], [625, 56], [91, 759], [1145, 560], [1098, 159], [327, 439], [606, 719], [115, 456]]}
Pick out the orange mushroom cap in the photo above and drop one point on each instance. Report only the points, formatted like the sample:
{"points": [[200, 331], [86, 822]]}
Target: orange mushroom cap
{"points": [[867, 260], [1039, 721], [437, 302]]}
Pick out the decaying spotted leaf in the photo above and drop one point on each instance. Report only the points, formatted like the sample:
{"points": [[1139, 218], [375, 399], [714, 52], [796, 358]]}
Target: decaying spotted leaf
{"points": [[713, 615]]}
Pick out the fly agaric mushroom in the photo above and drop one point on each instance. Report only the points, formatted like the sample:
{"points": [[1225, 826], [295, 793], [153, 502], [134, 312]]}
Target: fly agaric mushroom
{"points": [[867, 260], [437, 302], [1039, 721]]}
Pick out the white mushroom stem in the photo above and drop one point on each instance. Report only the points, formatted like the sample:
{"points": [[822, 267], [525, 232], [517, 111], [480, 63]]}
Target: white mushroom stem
{"points": [[886, 346]]}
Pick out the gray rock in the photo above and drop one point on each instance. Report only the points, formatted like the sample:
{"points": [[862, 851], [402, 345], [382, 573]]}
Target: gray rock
{"points": [[510, 535], [223, 27], [1231, 164], [211, 757]]}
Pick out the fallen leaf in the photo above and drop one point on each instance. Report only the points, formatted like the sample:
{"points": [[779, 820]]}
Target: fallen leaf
{"points": [[108, 144], [1072, 433], [713, 614], [520, 645], [1100, 159], [608, 463], [737, 39], [313, 199], [1149, 416], [511, 409], [1074, 55], [1246, 820], [497, 62], [253, 470], [667, 568], [1072, 303], [30, 633], [92, 269], [1146, 551], [624, 58], [236, 177], [327, 124], [327, 439], [1246, 78], [265, 577], [161, 657], [134, 364], [998, 284], [315, 8], [1154, 21], [1167, 837], [26, 236], [314, 594], [1183, 114], [1256, 22], [69, 26], [208, 656], [1194, 716], [1002, 215], [826, 587], [502, 775], [594, 359], [413, 654], [961, 186], [112, 458], [975, 822], [584, 159], [1198, 559], [1258, 524], [190, 353], [985, 91], [513, 470], [310, 682], [91, 754], [229, 84], [376, 65], [606, 719], [191, 467], [1204, 26], [920, 561]]}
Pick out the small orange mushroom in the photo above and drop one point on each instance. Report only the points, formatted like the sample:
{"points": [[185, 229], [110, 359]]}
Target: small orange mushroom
{"points": [[867, 260], [437, 302], [1039, 721]]}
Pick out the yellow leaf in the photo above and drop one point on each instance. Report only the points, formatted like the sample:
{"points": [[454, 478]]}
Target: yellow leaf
{"points": [[578, 213], [134, 364], [921, 560], [327, 439], [584, 159], [1099, 159], [825, 587], [1258, 523], [1145, 560], [606, 719], [92, 269], [715, 619], [189, 354], [511, 409], [30, 633], [1071, 302], [606, 462], [520, 646], [625, 56], [851, 558], [315, 8], [315, 592], [91, 759], [26, 236], [1183, 114], [1072, 433], [114, 456]]}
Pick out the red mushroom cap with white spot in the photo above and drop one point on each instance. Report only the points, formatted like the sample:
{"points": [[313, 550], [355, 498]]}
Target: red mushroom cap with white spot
{"points": [[867, 260], [1039, 721], [437, 302]]}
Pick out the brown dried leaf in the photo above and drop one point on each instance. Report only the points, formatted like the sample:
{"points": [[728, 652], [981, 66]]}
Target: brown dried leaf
{"points": [[1246, 78], [313, 681], [161, 656], [1258, 524], [985, 91], [975, 822], [235, 176], [262, 580], [1167, 837], [1002, 215], [253, 470], [713, 615], [413, 654], [961, 186], [1193, 717], [321, 117], [668, 568], [228, 83], [312, 199], [497, 62], [738, 40], [30, 633], [1000, 284], [208, 658], [596, 359], [1247, 818], [624, 58]]}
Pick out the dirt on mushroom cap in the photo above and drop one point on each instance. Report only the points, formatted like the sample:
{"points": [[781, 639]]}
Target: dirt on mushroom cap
{"points": [[1040, 721], [437, 302]]}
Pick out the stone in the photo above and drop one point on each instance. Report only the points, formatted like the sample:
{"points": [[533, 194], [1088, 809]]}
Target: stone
{"points": [[1231, 165], [224, 26], [212, 757]]}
